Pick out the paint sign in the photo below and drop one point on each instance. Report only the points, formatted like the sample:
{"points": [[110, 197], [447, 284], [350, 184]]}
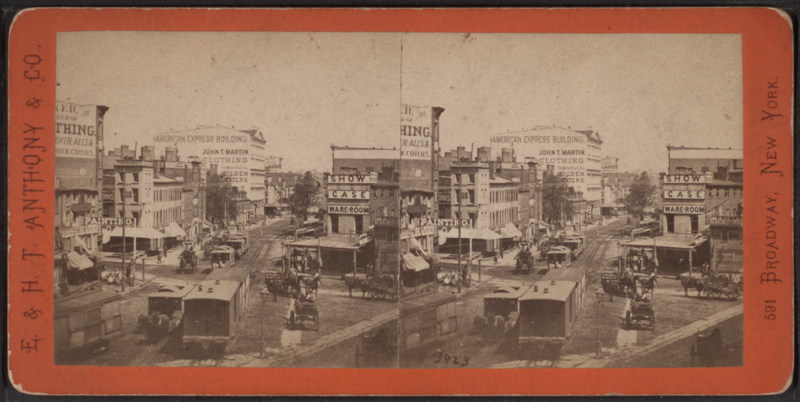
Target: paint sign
{"points": [[452, 223], [348, 209], [685, 209], [684, 178], [685, 194], [416, 134], [75, 131], [112, 221], [352, 179], [348, 194]]}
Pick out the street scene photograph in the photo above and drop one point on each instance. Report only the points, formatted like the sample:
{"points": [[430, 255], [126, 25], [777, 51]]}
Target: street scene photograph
{"points": [[398, 200]]}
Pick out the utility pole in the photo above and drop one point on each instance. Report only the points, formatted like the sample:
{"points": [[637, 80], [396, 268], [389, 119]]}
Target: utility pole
{"points": [[124, 239], [459, 232]]}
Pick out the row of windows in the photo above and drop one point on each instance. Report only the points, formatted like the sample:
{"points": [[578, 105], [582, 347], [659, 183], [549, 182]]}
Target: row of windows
{"points": [[167, 215], [167, 194], [724, 192], [504, 195], [507, 215]]}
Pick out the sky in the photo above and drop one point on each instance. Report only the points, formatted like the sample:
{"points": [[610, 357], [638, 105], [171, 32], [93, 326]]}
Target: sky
{"points": [[308, 91]]}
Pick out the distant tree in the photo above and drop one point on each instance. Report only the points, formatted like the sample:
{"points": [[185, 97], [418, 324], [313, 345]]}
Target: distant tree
{"points": [[640, 196], [220, 195], [304, 195], [555, 199]]}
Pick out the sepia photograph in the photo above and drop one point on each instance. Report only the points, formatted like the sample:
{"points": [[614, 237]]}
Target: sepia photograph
{"points": [[398, 200]]}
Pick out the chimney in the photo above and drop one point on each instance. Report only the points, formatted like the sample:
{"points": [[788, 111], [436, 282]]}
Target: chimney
{"points": [[523, 178], [171, 154], [483, 154], [507, 155], [492, 172], [156, 169], [147, 152]]}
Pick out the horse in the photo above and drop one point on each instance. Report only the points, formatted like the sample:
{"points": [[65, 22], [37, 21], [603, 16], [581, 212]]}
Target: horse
{"points": [[355, 283], [692, 282]]}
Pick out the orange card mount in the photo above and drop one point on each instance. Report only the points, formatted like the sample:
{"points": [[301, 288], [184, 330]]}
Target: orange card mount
{"points": [[577, 202]]}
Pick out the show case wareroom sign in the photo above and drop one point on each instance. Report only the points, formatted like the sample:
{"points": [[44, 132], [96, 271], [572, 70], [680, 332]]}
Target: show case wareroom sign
{"points": [[348, 209], [685, 194], [348, 194], [685, 209], [353, 178], [684, 178]]}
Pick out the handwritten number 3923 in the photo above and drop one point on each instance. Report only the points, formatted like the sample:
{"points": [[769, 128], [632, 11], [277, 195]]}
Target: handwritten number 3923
{"points": [[444, 358]]}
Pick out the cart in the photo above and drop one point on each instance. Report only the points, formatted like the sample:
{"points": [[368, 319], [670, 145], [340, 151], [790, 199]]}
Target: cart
{"points": [[640, 313], [188, 259], [382, 287], [720, 287], [303, 312], [524, 261]]}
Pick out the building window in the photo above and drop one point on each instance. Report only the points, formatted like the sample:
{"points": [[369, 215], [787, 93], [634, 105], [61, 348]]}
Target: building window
{"points": [[726, 193], [472, 197], [135, 195], [334, 223], [359, 223], [670, 223], [717, 193], [695, 223], [472, 178], [136, 177]]}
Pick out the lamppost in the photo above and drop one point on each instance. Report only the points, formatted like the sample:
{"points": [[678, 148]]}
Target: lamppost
{"points": [[598, 348]]}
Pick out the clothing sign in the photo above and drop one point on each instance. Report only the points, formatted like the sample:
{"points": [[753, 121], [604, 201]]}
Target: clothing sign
{"points": [[685, 209], [75, 131], [416, 133], [348, 194], [685, 194]]}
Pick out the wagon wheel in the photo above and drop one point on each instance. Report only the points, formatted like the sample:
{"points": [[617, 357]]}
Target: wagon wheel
{"points": [[315, 324]]}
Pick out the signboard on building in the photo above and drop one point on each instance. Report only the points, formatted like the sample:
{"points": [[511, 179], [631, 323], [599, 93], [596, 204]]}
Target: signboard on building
{"points": [[569, 152], [348, 194], [76, 145], [417, 232], [444, 196], [108, 196], [685, 194], [609, 164], [348, 209], [79, 230], [416, 133], [229, 150], [273, 163], [726, 220], [132, 222], [685, 209], [684, 178], [75, 131], [352, 179], [453, 223], [385, 221]]}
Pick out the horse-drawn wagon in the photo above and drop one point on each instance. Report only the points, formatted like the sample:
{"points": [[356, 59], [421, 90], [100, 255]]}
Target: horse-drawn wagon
{"points": [[717, 286], [303, 309], [640, 313], [188, 259]]}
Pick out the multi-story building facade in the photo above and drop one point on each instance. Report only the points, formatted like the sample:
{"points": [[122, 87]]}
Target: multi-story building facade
{"points": [[574, 154], [237, 155], [616, 187]]}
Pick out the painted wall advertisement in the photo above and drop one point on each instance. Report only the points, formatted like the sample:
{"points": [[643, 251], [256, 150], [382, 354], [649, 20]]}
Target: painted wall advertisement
{"points": [[76, 145], [415, 133], [226, 148], [564, 149]]}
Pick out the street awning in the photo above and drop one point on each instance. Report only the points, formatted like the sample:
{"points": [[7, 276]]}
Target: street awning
{"points": [[674, 242], [475, 234], [336, 242], [415, 244], [78, 242], [142, 233], [207, 224], [79, 261], [510, 231], [414, 263], [174, 230]]}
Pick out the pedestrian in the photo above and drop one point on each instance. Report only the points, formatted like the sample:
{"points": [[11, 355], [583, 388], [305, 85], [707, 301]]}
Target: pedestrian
{"points": [[501, 253]]}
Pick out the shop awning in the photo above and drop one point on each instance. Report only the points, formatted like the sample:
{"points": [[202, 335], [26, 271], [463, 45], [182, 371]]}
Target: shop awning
{"points": [[330, 242], [414, 263], [675, 242], [475, 234], [142, 233], [79, 261], [415, 244], [174, 230], [78, 242], [510, 231]]}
